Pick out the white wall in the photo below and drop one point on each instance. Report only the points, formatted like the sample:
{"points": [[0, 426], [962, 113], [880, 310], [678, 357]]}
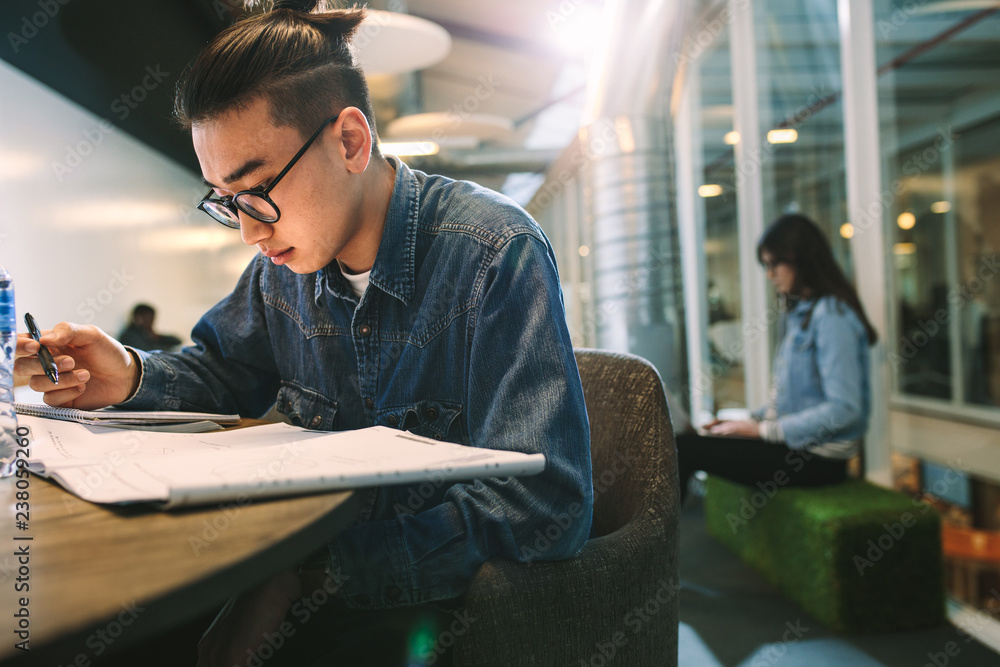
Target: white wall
{"points": [[93, 221]]}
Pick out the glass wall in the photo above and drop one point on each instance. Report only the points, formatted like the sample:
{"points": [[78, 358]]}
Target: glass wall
{"points": [[936, 69], [801, 115], [717, 214], [939, 86], [939, 107]]}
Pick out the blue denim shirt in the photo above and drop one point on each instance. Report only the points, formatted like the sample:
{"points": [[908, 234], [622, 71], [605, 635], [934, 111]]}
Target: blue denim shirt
{"points": [[461, 335], [821, 381]]}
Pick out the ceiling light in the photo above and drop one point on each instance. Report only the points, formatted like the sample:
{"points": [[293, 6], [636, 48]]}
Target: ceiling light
{"points": [[710, 190], [847, 230], [732, 138], [584, 251], [941, 207], [906, 220], [17, 164], [409, 148], [446, 127], [576, 29], [785, 136], [394, 43]]}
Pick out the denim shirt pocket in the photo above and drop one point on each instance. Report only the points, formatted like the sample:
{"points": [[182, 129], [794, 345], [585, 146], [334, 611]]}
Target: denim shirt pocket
{"points": [[431, 419], [305, 407], [802, 340]]}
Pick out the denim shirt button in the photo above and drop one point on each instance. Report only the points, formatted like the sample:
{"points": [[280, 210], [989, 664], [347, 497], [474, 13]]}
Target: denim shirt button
{"points": [[369, 403], [316, 421], [365, 330], [431, 414], [392, 421], [392, 592], [438, 436]]}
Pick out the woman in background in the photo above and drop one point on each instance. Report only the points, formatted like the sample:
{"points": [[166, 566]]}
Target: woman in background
{"points": [[820, 394]]}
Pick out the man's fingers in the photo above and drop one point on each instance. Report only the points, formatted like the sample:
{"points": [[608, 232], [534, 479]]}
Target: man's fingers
{"points": [[67, 333], [31, 365], [63, 397], [26, 345], [39, 382]]}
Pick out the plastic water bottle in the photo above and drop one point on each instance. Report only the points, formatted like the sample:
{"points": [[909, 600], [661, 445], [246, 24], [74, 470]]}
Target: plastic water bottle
{"points": [[8, 343]]}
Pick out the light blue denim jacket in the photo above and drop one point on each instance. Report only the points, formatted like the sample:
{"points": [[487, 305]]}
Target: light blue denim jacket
{"points": [[460, 336], [821, 386]]}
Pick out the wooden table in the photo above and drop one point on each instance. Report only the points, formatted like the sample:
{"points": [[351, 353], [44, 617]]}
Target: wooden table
{"points": [[89, 565]]}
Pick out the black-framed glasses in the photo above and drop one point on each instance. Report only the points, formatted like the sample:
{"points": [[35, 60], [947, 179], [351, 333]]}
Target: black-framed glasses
{"points": [[255, 202], [772, 264]]}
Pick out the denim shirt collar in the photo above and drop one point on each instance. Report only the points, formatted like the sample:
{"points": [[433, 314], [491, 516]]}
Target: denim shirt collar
{"points": [[394, 270], [800, 306]]}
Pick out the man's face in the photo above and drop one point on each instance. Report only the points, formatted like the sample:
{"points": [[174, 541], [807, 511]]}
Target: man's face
{"points": [[243, 149]]}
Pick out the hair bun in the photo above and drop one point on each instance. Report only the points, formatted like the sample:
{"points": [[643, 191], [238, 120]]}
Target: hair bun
{"points": [[304, 6]]}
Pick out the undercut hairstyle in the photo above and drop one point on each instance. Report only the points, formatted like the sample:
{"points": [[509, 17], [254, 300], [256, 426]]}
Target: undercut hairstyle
{"points": [[296, 56], [798, 241]]}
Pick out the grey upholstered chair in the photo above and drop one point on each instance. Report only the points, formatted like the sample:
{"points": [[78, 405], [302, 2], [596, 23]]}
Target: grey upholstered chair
{"points": [[615, 603]]}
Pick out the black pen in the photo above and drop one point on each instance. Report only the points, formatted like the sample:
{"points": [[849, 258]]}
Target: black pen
{"points": [[48, 363]]}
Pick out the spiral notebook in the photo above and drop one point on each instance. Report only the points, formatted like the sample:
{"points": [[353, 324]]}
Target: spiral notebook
{"points": [[113, 417]]}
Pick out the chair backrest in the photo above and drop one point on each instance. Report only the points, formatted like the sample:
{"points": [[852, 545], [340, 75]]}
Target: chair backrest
{"points": [[631, 438]]}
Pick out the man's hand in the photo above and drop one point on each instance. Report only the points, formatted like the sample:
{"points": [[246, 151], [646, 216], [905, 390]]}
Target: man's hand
{"points": [[746, 429], [242, 624], [95, 370]]}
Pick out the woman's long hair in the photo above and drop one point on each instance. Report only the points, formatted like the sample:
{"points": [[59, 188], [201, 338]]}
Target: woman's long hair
{"points": [[796, 240]]}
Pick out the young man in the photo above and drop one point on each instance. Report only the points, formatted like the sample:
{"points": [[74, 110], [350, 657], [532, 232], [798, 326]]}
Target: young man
{"points": [[381, 295], [140, 333]]}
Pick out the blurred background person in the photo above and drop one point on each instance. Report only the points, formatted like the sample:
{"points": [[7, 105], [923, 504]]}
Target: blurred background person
{"points": [[820, 395], [140, 333]]}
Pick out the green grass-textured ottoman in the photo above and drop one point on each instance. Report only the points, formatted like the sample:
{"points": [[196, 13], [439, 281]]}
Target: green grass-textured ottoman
{"points": [[858, 557]]}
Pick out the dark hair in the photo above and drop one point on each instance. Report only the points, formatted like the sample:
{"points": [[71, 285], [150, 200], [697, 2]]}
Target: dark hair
{"points": [[299, 61], [143, 309], [796, 240]]}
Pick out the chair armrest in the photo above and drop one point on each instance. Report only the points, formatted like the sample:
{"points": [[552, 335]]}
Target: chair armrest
{"points": [[585, 595]]}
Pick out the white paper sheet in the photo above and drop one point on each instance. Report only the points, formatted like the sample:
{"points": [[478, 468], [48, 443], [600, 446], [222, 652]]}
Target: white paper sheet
{"points": [[113, 466]]}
